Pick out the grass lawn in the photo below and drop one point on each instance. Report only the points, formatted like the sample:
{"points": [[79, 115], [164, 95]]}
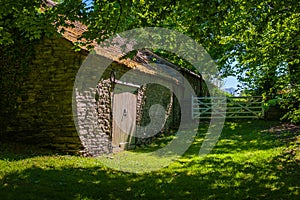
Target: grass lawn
{"points": [[247, 163]]}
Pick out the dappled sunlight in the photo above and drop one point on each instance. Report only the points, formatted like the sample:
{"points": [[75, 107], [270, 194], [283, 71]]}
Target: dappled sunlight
{"points": [[137, 162], [233, 125], [243, 165]]}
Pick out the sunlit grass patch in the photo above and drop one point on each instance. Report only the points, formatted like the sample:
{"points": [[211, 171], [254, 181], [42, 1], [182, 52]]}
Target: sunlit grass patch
{"points": [[246, 163]]}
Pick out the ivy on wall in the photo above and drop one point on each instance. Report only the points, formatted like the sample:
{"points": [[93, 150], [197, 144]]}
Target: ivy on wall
{"points": [[14, 68]]}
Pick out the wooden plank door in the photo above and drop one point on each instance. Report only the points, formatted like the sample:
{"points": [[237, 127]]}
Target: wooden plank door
{"points": [[124, 120]]}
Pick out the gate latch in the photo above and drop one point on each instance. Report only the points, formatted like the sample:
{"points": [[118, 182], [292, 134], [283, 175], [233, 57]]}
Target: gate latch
{"points": [[124, 112]]}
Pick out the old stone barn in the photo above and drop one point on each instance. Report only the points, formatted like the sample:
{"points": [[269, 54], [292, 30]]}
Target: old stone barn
{"points": [[37, 87]]}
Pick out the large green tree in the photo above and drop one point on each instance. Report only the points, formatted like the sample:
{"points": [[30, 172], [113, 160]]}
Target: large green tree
{"points": [[257, 41], [264, 39]]}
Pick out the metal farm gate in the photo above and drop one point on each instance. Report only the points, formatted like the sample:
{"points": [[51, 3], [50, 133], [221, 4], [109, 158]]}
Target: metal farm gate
{"points": [[229, 107]]}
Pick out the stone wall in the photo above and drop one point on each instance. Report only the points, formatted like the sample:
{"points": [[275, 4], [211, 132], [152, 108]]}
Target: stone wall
{"points": [[140, 102], [93, 119], [43, 112], [104, 105], [167, 117], [43, 115]]}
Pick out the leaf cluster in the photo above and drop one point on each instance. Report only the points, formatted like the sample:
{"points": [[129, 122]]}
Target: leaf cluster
{"points": [[256, 41]]}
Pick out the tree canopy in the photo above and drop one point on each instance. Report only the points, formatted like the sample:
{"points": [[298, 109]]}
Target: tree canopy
{"points": [[257, 41]]}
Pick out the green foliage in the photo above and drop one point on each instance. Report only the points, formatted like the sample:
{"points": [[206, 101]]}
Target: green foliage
{"points": [[271, 102], [291, 102], [23, 20], [265, 48], [257, 41]]}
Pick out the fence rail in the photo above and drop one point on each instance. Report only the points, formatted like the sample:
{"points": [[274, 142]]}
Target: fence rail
{"points": [[229, 107]]}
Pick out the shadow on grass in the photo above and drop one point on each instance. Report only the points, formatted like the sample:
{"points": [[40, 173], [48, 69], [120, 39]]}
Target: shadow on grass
{"points": [[219, 179], [239, 136], [236, 136], [213, 177], [18, 151]]}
